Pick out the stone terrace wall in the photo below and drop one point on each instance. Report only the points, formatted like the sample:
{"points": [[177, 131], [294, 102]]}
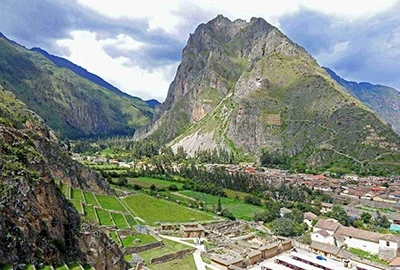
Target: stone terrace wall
{"points": [[130, 250], [172, 256]]}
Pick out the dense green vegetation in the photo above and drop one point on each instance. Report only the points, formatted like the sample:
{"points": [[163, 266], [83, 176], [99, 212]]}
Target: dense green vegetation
{"points": [[71, 105]]}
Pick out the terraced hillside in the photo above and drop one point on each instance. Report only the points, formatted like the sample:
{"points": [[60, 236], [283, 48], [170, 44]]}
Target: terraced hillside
{"points": [[38, 225]]}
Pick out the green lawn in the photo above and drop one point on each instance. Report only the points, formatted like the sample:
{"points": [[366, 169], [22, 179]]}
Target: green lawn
{"points": [[29, 267], [131, 220], [110, 203], [368, 256], [65, 190], [76, 194], [115, 237], [77, 204], [90, 213], [61, 267], [186, 263], [47, 267], [104, 217], [119, 221], [129, 241], [74, 266], [146, 182], [90, 199], [169, 247], [238, 208], [154, 210], [88, 267], [235, 194]]}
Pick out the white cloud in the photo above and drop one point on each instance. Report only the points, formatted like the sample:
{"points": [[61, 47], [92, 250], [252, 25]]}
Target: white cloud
{"points": [[161, 12], [87, 51], [167, 15]]}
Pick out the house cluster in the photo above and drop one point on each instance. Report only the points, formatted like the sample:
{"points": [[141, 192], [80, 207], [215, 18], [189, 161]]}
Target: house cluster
{"points": [[330, 237]]}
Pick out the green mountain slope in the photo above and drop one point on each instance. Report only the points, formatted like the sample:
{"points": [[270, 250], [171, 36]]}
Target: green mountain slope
{"points": [[37, 223], [247, 88], [384, 100], [71, 105]]}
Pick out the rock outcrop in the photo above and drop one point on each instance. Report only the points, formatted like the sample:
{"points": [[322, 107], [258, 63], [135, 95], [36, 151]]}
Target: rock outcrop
{"points": [[249, 88], [37, 223]]}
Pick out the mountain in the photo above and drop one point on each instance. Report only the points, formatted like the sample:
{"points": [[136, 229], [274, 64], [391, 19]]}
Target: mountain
{"points": [[384, 100], [74, 107], [152, 103], [247, 88], [37, 223], [64, 63]]}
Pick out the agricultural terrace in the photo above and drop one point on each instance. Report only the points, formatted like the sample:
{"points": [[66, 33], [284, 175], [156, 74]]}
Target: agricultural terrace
{"points": [[157, 210]]}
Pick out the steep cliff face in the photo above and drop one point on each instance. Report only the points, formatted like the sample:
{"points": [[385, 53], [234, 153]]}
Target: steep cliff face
{"points": [[244, 86], [384, 100], [37, 223]]}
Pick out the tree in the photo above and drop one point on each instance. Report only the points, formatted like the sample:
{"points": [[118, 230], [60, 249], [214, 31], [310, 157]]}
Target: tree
{"points": [[173, 187], [252, 200], [219, 206], [381, 221], [340, 215], [287, 227], [296, 215], [365, 217], [228, 214]]}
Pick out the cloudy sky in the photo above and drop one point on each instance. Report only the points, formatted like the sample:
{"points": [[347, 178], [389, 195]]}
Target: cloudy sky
{"points": [[137, 46]]}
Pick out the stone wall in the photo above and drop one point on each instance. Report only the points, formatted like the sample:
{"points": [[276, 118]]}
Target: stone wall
{"points": [[138, 249], [172, 256], [387, 254]]}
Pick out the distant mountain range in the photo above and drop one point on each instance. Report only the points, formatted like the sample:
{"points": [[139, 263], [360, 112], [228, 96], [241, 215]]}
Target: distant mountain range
{"points": [[75, 104], [384, 100], [246, 88]]}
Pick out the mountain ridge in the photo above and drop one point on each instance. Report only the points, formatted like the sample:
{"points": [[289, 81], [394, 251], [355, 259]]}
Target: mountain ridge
{"points": [[384, 100], [71, 105]]}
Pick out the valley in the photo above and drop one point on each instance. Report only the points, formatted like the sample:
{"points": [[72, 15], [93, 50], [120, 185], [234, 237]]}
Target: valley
{"points": [[258, 159]]}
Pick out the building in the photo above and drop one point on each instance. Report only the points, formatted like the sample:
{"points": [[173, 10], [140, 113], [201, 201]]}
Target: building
{"points": [[254, 257], [309, 217], [331, 232], [191, 230], [224, 263], [269, 250], [395, 264]]}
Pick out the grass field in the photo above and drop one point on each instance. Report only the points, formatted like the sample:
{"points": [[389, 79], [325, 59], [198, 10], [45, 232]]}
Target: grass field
{"points": [[235, 194], [30, 267], [90, 213], [130, 220], [144, 239], [238, 208], [90, 199], [61, 267], [186, 263], [74, 266], [115, 237], [77, 204], [104, 217], [156, 210], [119, 221], [110, 203], [76, 194], [65, 190], [169, 247], [146, 182]]}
